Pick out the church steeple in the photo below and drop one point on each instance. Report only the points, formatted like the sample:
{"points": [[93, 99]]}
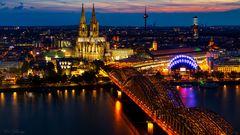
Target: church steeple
{"points": [[94, 26], [83, 30]]}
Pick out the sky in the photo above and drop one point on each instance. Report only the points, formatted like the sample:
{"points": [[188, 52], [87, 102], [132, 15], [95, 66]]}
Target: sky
{"points": [[120, 12]]}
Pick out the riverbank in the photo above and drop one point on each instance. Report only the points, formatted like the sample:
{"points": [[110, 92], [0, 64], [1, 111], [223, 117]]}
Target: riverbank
{"points": [[51, 87], [197, 83]]}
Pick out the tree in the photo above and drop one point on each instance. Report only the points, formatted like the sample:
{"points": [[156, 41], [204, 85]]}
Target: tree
{"points": [[25, 67], [36, 80], [53, 77], [205, 75], [89, 76], [198, 75], [219, 75], [98, 64], [159, 76], [177, 76], [64, 78], [76, 79], [20, 81], [233, 75], [50, 66]]}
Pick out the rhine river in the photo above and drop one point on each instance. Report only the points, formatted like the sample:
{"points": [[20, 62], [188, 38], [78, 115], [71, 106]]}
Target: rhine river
{"points": [[100, 111], [224, 100]]}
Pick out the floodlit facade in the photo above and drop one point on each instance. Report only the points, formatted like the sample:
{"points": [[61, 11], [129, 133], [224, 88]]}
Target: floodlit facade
{"points": [[228, 68], [89, 45]]}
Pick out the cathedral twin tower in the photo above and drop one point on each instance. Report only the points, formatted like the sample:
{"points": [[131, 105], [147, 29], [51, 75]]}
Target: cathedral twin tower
{"points": [[89, 45], [94, 26]]}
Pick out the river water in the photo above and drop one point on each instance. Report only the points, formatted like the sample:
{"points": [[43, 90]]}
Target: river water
{"points": [[63, 112], [224, 100], [100, 111]]}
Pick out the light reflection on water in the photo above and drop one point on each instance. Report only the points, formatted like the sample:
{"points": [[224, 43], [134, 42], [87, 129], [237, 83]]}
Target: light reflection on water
{"points": [[62, 112], [2, 99], [188, 96], [224, 100], [118, 109]]}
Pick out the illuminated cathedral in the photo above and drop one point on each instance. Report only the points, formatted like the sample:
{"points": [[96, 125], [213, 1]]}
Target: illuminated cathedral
{"points": [[89, 45]]}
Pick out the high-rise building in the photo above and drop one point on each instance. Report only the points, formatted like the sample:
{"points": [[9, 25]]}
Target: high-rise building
{"points": [[195, 27], [89, 45], [212, 54]]}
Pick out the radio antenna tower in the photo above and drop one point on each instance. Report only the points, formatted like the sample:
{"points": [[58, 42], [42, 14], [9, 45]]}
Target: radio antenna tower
{"points": [[145, 18]]}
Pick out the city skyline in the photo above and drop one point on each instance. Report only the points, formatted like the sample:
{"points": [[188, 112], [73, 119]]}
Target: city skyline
{"points": [[121, 13]]}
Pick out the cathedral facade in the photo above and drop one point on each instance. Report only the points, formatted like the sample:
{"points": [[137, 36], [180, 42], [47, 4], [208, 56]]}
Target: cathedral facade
{"points": [[89, 45]]}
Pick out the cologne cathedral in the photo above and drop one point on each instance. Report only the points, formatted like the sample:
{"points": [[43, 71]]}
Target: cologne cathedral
{"points": [[89, 45]]}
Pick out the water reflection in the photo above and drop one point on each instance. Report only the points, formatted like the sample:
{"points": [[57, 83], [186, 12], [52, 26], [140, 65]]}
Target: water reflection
{"points": [[224, 100], [188, 96], [66, 94], [82, 95], [14, 109], [94, 96], [118, 108], [2, 99], [40, 113], [73, 93], [224, 91], [237, 90], [15, 98], [49, 98], [58, 93]]}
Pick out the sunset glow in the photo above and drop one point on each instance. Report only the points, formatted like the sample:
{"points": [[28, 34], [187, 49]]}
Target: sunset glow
{"points": [[124, 5]]}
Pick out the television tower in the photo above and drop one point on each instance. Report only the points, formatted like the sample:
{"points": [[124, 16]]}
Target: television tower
{"points": [[195, 27], [145, 18]]}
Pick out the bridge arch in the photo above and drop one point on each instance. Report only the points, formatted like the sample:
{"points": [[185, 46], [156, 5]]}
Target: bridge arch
{"points": [[183, 60]]}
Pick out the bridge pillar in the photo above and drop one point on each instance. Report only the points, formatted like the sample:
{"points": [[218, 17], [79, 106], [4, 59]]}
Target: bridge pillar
{"points": [[150, 127], [119, 93]]}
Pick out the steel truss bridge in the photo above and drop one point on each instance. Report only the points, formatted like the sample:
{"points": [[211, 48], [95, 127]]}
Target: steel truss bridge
{"points": [[164, 106]]}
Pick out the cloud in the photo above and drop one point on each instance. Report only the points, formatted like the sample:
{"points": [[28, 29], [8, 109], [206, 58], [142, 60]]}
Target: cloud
{"points": [[125, 6], [2, 4], [19, 7]]}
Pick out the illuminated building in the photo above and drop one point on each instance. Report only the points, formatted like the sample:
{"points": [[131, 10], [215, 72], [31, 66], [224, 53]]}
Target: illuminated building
{"points": [[212, 54], [183, 61], [72, 66], [227, 68], [195, 27], [89, 45], [115, 42], [162, 59], [154, 46], [59, 43], [118, 54]]}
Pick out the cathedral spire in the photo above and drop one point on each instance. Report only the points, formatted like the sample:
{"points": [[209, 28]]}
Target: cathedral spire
{"points": [[94, 27], [83, 19], [83, 32], [94, 20]]}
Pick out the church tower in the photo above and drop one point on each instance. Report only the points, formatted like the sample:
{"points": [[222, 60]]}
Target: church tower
{"points": [[83, 30], [89, 45], [94, 26]]}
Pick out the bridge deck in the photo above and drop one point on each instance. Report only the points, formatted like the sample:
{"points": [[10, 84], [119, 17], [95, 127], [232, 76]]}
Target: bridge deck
{"points": [[164, 106]]}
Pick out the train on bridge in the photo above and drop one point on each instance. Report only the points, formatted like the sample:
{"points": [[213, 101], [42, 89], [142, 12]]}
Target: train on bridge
{"points": [[164, 106]]}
